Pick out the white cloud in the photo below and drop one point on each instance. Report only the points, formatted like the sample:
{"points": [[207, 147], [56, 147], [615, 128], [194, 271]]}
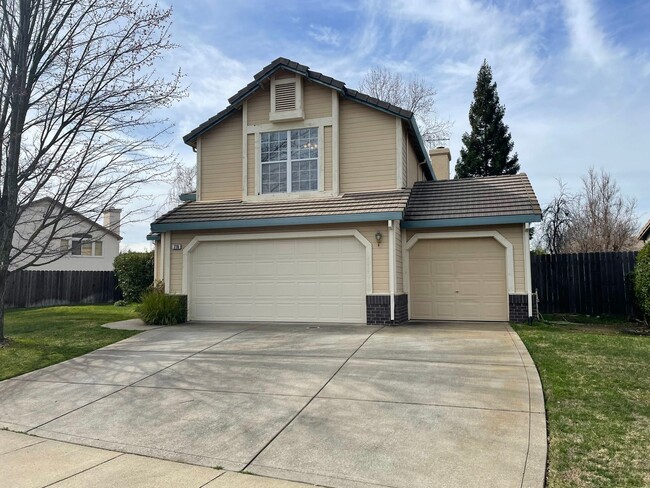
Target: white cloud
{"points": [[587, 39], [325, 35]]}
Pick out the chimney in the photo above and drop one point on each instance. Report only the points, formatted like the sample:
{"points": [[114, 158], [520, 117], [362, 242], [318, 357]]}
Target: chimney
{"points": [[440, 158], [112, 219]]}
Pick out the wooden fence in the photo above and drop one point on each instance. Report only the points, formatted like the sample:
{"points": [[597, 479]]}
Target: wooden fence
{"points": [[44, 288], [588, 283]]}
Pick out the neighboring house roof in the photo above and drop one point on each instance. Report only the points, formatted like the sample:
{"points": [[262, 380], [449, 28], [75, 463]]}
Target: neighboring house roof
{"points": [[286, 64], [72, 212], [349, 207], [645, 232], [468, 201]]}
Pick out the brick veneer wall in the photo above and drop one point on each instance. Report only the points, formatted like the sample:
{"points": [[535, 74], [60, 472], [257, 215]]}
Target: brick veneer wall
{"points": [[518, 308], [401, 308], [378, 309]]}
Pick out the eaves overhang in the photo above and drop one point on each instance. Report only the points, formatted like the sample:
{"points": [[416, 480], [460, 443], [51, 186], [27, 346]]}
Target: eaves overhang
{"points": [[467, 221], [277, 221]]}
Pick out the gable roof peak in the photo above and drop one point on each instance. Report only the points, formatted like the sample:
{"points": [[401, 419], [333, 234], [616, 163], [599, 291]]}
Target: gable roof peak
{"points": [[303, 70]]}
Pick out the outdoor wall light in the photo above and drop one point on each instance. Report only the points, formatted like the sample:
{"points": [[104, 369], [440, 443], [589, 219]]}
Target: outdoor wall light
{"points": [[378, 237]]}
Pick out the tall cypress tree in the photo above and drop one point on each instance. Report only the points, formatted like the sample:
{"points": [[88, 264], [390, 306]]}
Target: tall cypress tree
{"points": [[487, 148]]}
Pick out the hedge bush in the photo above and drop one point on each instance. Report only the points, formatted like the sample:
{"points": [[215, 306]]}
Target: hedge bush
{"points": [[134, 271], [642, 280], [160, 309]]}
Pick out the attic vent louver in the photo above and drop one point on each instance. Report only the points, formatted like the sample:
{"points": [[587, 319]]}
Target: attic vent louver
{"points": [[286, 99], [285, 96]]}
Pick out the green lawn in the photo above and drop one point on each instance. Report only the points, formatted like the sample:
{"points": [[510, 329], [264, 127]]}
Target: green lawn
{"points": [[43, 336], [596, 381]]}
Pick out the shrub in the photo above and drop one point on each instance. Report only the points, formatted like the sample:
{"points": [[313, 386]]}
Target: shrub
{"points": [[642, 280], [134, 271], [159, 309]]}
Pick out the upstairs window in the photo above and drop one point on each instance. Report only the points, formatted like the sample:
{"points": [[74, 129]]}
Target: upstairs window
{"points": [[286, 99], [289, 161]]}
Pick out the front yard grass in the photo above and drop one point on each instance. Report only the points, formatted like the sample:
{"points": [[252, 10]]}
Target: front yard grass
{"points": [[39, 337], [596, 381]]}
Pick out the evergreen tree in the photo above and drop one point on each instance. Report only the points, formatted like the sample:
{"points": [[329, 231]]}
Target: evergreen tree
{"points": [[487, 149]]}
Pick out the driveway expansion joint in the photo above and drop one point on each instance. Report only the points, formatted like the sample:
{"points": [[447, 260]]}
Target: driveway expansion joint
{"points": [[312, 398], [132, 384]]}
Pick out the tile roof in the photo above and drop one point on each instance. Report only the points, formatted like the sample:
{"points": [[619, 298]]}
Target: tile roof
{"points": [[472, 197], [301, 69], [346, 204]]}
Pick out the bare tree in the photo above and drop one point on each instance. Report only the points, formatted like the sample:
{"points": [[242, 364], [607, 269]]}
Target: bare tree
{"points": [[78, 114], [603, 220], [182, 180], [413, 94], [556, 221]]}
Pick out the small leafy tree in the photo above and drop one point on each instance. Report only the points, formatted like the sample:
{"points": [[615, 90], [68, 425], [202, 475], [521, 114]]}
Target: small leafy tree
{"points": [[134, 272], [487, 149], [642, 280]]}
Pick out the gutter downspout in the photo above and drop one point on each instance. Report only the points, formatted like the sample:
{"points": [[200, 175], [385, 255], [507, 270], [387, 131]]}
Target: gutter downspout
{"points": [[527, 273], [391, 268]]}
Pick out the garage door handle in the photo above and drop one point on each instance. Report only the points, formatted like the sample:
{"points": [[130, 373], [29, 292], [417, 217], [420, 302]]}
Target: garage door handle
{"points": [[456, 291]]}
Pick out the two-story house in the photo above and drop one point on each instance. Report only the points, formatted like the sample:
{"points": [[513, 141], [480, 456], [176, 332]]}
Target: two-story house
{"points": [[51, 236], [317, 203]]}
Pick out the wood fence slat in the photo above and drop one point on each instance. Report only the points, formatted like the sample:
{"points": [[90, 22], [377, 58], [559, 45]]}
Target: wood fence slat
{"points": [[41, 288], [587, 283]]}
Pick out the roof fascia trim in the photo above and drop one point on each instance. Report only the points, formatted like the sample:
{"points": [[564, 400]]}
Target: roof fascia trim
{"points": [[278, 221], [466, 221]]}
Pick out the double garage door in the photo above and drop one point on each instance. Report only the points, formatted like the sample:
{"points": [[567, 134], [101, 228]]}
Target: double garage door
{"points": [[293, 280], [458, 279]]}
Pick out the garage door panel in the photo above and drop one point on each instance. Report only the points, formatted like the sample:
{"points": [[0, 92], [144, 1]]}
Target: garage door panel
{"points": [[279, 280], [442, 268], [464, 279]]}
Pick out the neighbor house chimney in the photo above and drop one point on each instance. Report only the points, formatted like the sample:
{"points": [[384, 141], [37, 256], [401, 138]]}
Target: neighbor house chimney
{"points": [[112, 219], [440, 158]]}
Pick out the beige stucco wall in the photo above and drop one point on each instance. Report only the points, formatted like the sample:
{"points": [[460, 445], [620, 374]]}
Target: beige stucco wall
{"points": [[513, 233], [379, 253], [221, 160], [367, 148], [413, 171], [317, 100]]}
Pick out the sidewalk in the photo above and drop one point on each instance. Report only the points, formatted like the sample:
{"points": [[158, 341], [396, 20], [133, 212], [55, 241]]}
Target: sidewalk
{"points": [[32, 462]]}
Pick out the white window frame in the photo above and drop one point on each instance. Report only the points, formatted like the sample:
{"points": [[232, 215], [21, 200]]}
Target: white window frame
{"points": [[70, 240], [299, 112], [319, 161]]}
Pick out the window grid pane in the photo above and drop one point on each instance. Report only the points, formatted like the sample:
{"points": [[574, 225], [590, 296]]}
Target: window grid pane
{"points": [[276, 157], [98, 248], [274, 177], [304, 175]]}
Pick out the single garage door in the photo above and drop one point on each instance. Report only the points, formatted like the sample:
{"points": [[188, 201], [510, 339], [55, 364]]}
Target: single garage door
{"points": [[458, 279], [279, 280]]}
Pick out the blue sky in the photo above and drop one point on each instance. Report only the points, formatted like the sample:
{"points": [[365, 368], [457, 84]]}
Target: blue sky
{"points": [[574, 75]]}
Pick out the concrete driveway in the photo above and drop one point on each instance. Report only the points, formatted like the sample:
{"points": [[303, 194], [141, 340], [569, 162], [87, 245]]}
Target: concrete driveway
{"points": [[343, 406]]}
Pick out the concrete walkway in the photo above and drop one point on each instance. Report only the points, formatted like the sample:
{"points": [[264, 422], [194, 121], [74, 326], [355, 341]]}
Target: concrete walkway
{"points": [[31, 462], [444, 404], [130, 324]]}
